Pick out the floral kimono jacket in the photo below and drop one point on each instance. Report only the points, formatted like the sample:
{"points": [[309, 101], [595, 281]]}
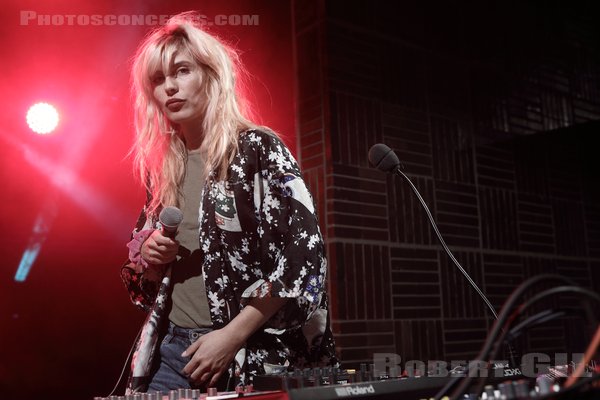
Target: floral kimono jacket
{"points": [[260, 238]]}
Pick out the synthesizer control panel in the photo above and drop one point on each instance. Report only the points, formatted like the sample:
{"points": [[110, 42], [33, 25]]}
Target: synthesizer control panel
{"points": [[334, 383]]}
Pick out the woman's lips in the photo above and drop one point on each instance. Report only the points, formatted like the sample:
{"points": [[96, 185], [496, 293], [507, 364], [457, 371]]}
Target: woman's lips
{"points": [[175, 104]]}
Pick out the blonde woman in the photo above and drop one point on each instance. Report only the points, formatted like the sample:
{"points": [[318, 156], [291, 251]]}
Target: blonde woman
{"points": [[241, 288]]}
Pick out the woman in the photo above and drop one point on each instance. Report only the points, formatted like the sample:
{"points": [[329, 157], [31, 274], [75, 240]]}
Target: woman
{"points": [[241, 288]]}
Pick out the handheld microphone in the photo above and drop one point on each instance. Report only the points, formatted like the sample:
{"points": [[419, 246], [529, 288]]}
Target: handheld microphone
{"points": [[170, 218]]}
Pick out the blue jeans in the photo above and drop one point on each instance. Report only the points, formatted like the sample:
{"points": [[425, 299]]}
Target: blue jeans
{"points": [[169, 375]]}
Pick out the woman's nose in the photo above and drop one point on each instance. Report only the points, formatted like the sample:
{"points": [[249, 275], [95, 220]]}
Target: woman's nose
{"points": [[170, 86]]}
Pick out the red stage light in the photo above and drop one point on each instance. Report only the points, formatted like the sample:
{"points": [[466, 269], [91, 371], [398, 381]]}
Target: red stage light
{"points": [[42, 118]]}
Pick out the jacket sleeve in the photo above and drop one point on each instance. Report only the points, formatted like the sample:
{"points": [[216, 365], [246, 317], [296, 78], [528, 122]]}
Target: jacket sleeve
{"points": [[292, 250], [141, 280]]}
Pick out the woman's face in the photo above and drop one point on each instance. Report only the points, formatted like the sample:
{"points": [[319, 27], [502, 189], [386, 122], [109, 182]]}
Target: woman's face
{"points": [[178, 91]]}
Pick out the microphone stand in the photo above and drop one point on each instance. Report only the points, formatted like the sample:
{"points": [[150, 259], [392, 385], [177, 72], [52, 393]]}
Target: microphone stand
{"points": [[399, 172], [441, 239]]}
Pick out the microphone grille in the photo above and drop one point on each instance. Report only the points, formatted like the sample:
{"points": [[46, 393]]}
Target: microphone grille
{"points": [[383, 158], [170, 217]]}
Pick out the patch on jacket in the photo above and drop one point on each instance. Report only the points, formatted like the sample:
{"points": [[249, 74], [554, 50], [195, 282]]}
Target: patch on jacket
{"points": [[226, 215]]}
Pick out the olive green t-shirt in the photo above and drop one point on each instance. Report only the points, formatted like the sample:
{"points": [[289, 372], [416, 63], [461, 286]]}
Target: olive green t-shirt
{"points": [[189, 302]]}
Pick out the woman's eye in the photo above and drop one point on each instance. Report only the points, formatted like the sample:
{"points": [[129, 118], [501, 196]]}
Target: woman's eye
{"points": [[157, 80], [183, 71]]}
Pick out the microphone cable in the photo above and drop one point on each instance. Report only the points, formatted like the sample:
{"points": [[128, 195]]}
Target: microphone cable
{"points": [[126, 362]]}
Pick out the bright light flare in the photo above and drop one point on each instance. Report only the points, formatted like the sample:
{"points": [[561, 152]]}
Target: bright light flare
{"points": [[42, 118]]}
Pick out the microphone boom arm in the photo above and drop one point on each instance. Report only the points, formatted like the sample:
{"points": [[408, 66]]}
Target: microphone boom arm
{"points": [[443, 243]]}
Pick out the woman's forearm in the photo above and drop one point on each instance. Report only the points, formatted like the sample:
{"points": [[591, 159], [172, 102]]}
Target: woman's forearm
{"points": [[253, 316]]}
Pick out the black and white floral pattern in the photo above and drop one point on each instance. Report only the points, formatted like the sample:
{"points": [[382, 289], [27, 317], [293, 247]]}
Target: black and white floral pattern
{"points": [[260, 238]]}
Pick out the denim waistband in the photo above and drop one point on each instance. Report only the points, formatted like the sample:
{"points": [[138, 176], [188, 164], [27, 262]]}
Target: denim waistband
{"points": [[190, 333]]}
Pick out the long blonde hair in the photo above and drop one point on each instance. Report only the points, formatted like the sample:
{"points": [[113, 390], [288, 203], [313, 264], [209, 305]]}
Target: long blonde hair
{"points": [[159, 150]]}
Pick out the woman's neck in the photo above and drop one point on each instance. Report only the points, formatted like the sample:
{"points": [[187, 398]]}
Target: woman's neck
{"points": [[192, 135]]}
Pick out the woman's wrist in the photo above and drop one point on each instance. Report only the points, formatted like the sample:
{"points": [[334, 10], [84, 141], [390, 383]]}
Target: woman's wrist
{"points": [[239, 330], [135, 247]]}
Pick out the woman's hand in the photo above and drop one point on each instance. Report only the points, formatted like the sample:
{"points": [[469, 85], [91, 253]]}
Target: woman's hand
{"points": [[210, 356], [159, 249], [212, 353]]}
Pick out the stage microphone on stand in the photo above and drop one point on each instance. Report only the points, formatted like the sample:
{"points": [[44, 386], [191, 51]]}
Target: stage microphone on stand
{"points": [[384, 159]]}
